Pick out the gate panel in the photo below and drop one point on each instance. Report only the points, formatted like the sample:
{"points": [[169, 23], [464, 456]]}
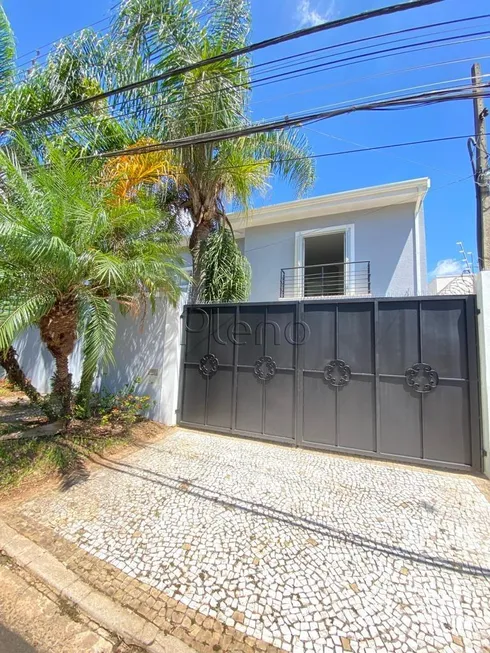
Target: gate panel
{"points": [[193, 396], [318, 414], [280, 405], [399, 419], [318, 417], [197, 326], [395, 378], [355, 346], [446, 415], [250, 346], [219, 399], [446, 425], [220, 383], [265, 400], [249, 403], [399, 406], [356, 414]]}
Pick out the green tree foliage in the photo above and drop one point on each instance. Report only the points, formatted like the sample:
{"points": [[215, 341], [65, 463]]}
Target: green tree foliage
{"points": [[226, 273], [148, 37], [69, 248]]}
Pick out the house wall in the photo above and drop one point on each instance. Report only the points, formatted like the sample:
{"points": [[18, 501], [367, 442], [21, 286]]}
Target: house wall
{"points": [[384, 236], [37, 362], [140, 347], [149, 350]]}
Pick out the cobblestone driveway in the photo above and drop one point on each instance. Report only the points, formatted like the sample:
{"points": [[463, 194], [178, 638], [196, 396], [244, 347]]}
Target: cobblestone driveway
{"points": [[306, 551]]}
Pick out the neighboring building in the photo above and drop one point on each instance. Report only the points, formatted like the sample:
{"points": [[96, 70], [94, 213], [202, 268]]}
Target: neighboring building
{"points": [[365, 242], [462, 284]]}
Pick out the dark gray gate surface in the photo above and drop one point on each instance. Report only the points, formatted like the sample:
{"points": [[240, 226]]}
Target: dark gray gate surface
{"points": [[392, 378]]}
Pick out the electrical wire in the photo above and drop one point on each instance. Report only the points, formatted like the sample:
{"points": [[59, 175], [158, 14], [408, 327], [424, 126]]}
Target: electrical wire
{"points": [[273, 62], [300, 72], [323, 155], [123, 114], [363, 146], [233, 54], [51, 134], [42, 58], [420, 99]]}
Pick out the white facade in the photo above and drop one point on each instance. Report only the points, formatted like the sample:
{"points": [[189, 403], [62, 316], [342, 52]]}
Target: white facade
{"points": [[147, 348], [382, 225], [483, 304]]}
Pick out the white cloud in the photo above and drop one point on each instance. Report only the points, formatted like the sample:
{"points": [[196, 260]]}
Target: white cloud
{"points": [[448, 267], [309, 15]]}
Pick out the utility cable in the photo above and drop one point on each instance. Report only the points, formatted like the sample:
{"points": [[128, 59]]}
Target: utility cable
{"points": [[384, 11]]}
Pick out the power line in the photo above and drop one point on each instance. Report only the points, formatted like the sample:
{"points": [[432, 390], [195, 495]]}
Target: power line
{"points": [[122, 113], [330, 106], [104, 32], [420, 99], [264, 81], [62, 38], [323, 155], [321, 67], [389, 153], [233, 54], [357, 80]]}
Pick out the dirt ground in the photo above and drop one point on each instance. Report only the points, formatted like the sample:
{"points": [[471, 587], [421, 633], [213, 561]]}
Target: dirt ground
{"points": [[33, 619], [17, 415]]}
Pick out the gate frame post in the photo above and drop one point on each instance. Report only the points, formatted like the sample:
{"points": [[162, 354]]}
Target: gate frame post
{"points": [[482, 284]]}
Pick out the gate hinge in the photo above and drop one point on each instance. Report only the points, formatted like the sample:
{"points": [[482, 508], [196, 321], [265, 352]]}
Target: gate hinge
{"points": [[484, 453], [477, 311]]}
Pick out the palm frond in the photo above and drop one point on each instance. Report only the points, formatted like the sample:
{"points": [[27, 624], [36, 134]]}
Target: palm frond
{"points": [[99, 334], [7, 52], [19, 312], [225, 272], [289, 154]]}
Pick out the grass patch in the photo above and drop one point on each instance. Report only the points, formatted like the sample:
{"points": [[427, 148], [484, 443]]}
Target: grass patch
{"points": [[57, 455]]}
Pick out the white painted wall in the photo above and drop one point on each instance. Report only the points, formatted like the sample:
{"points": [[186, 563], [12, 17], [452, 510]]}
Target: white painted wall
{"points": [[439, 283], [483, 304], [37, 362], [150, 350], [384, 236], [141, 346]]}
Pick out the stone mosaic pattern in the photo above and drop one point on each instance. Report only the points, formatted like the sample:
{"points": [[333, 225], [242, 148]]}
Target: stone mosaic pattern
{"points": [[305, 551]]}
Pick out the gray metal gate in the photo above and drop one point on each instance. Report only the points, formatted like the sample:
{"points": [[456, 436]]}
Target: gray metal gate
{"points": [[391, 378]]}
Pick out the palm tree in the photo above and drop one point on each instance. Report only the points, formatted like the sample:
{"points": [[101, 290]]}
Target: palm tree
{"points": [[68, 246], [214, 176], [148, 37], [7, 51]]}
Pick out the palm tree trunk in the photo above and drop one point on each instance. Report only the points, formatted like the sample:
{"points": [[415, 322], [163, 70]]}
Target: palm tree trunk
{"points": [[198, 237], [9, 362], [59, 332]]}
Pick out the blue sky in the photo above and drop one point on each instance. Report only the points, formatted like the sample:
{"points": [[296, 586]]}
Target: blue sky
{"points": [[450, 204]]}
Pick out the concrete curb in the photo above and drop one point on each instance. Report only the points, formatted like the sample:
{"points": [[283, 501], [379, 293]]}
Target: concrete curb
{"points": [[129, 626]]}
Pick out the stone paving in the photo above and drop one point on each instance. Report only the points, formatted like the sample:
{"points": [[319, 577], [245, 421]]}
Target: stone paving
{"points": [[299, 550]]}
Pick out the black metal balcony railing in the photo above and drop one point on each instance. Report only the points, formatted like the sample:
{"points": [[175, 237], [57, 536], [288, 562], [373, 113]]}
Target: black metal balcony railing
{"points": [[353, 278]]}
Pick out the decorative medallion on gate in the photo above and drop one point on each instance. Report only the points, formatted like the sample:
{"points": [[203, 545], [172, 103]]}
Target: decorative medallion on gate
{"points": [[208, 365], [421, 377], [337, 373], [264, 368]]}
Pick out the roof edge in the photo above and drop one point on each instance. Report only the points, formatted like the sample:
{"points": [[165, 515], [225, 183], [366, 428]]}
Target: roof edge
{"points": [[402, 192]]}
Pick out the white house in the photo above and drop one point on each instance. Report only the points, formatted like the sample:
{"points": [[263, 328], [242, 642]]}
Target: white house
{"points": [[368, 241]]}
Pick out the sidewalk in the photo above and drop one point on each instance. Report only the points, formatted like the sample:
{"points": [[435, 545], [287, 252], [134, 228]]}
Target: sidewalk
{"points": [[33, 620]]}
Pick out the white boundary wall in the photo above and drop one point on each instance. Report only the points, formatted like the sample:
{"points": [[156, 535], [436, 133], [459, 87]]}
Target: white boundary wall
{"points": [[148, 348], [483, 304]]}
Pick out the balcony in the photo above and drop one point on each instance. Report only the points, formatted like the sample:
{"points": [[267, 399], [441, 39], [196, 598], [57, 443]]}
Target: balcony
{"points": [[352, 279]]}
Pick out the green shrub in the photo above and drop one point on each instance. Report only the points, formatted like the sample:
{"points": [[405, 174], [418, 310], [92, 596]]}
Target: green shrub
{"points": [[122, 407]]}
